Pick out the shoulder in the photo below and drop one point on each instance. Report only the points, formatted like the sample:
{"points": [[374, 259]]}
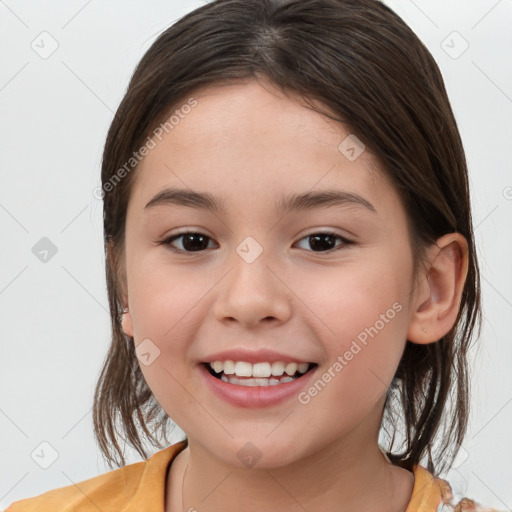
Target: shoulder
{"points": [[442, 498], [131, 488], [427, 493]]}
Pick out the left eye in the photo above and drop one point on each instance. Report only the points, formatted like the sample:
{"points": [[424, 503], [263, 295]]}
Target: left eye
{"points": [[196, 242], [320, 240]]}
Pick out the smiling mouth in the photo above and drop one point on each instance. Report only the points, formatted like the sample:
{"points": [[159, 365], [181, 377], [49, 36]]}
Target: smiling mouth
{"points": [[241, 377]]}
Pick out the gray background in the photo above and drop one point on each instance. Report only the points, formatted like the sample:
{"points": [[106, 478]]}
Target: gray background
{"points": [[54, 113]]}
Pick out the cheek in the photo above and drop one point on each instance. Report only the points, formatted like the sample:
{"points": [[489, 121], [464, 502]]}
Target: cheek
{"points": [[361, 317], [164, 297], [348, 299], [165, 322], [165, 304]]}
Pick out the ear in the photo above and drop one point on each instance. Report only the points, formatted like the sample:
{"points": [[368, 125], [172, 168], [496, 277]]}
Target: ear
{"points": [[120, 276], [439, 289], [127, 323]]}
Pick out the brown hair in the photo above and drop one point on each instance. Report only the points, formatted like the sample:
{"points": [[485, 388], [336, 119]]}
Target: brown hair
{"points": [[361, 62]]}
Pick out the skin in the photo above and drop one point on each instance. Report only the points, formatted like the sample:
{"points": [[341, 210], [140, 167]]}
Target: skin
{"points": [[250, 144]]}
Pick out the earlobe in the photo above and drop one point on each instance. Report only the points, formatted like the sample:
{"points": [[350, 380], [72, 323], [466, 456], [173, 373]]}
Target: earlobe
{"points": [[127, 323], [440, 289], [120, 277]]}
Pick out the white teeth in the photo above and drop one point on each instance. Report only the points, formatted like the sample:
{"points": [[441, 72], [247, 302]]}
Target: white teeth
{"points": [[228, 367], [217, 366], [291, 368], [258, 373], [303, 367], [277, 368], [261, 370], [244, 369], [255, 382]]}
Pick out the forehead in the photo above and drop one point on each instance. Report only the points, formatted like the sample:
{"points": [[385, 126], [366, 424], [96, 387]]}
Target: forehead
{"points": [[248, 141]]}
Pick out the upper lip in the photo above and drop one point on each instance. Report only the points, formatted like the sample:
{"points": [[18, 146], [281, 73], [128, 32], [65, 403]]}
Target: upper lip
{"points": [[253, 356]]}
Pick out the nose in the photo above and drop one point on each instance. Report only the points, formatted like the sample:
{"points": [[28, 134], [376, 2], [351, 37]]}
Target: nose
{"points": [[253, 293]]}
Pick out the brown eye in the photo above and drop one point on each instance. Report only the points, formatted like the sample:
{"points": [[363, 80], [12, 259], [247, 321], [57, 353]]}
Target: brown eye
{"points": [[191, 242], [325, 242]]}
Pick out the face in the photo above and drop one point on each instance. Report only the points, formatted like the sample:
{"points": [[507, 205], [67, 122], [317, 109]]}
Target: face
{"points": [[326, 282]]}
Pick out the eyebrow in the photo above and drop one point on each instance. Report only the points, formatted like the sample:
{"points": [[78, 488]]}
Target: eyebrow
{"points": [[293, 202]]}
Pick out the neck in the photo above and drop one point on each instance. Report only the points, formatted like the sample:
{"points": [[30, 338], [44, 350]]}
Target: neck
{"points": [[346, 476]]}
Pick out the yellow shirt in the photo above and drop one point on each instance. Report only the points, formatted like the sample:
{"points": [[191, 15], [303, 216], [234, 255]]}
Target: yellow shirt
{"points": [[140, 487]]}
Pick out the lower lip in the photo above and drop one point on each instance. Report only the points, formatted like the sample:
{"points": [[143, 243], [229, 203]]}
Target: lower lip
{"points": [[255, 396]]}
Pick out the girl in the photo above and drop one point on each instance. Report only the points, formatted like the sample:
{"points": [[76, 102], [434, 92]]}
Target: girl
{"points": [[291, 268]]}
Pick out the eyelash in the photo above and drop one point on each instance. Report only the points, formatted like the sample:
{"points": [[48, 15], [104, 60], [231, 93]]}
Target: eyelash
{"points": [[345, 241]]}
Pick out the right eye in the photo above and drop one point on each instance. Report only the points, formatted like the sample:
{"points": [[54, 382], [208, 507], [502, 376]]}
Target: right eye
{"points": [[192, 242]]}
